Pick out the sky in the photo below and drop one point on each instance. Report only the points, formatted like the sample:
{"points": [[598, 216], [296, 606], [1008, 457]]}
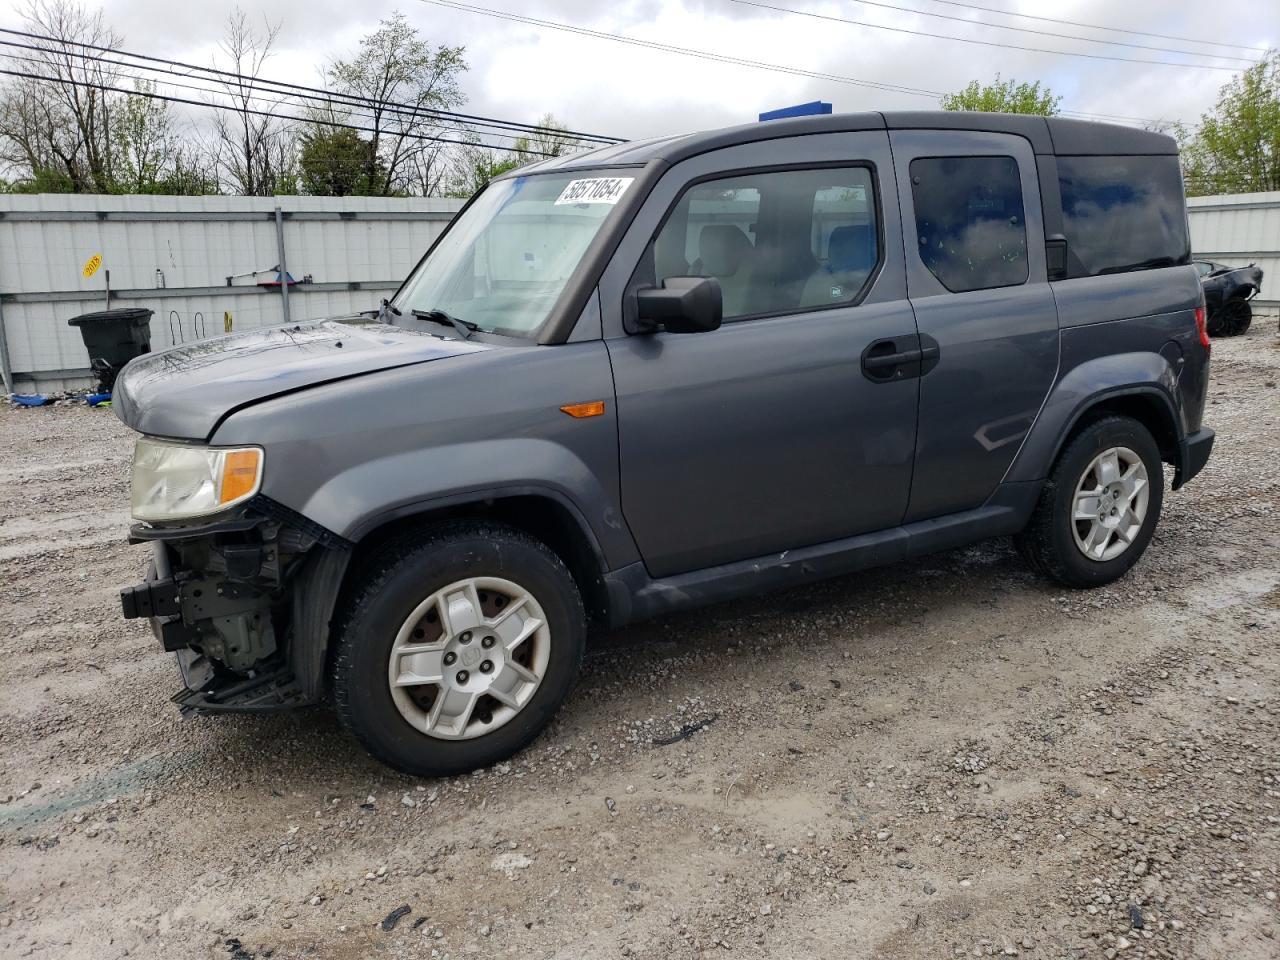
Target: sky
{"points": [[520, 71]]}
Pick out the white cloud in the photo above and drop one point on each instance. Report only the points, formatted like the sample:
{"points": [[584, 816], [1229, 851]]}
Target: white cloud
{"points": [[520, 71]]}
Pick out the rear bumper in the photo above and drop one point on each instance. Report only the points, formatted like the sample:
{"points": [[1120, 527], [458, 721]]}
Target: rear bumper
{"points": [[1193, 454]]}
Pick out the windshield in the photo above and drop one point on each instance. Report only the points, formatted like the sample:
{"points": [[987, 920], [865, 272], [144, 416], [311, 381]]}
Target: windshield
{"points": [[505, 260]]}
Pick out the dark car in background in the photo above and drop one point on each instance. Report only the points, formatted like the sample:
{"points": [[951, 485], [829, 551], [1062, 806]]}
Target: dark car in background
{"points": [[1227, 292], [663, 374]]}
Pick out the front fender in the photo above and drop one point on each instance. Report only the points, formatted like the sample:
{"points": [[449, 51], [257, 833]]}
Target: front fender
{"points": [[1144, 374], [367, 494], [350, 456]]}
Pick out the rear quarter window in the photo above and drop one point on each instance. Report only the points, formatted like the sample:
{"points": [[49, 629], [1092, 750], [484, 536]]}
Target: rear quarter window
{"points": [[1122, 213], [970, 221]]}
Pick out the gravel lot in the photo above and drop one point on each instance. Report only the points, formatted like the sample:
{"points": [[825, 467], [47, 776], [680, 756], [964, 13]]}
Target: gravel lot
{"points": [[946, 757]]}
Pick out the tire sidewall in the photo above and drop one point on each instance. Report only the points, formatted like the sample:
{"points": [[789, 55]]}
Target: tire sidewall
{"points": [[1112, 432], [370, 633]]}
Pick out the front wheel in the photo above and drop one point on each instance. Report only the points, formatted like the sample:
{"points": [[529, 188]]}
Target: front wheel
{"points": [[457, 648], [1100, 506]]}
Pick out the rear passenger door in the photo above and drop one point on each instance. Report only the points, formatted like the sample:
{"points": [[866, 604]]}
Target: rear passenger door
{"points": [[766, 434], [975, 266]]}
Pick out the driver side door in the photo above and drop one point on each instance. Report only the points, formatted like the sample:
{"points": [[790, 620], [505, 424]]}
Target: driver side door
{"points": [[781, 429]]}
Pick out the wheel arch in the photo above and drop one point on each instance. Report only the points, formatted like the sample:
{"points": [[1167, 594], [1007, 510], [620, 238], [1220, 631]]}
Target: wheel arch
{"points": [[1146, 405], [540, 512], [1138, 385]]}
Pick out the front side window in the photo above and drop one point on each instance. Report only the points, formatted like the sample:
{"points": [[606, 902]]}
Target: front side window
{"points": [[1122, 213], [969, 221], [777, 242], [504, 262]]}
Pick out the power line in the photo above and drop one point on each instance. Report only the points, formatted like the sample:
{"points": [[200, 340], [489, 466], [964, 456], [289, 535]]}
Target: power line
{"points": [[245, 91], [982, 43], [683, 51], [242, 79], [1094, 26], [151, 95], [1050, 33], [723, 58]]}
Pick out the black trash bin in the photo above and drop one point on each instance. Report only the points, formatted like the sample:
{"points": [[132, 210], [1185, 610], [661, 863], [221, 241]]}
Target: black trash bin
{"points": [[113, 338]]}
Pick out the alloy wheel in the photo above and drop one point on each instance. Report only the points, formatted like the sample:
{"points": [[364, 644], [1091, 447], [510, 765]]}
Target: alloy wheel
{"points": [[469, 658], [1110, 504]]}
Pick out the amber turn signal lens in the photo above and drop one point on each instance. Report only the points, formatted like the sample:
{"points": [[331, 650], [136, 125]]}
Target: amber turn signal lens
{"points": [[239, 474], [580, 410]]}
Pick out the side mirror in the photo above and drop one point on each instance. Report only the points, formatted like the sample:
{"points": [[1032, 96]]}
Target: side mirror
{"points": [[681, 305]]}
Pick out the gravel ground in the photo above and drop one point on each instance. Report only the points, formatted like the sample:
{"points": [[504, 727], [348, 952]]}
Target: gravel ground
{"points": [[945, 757]]}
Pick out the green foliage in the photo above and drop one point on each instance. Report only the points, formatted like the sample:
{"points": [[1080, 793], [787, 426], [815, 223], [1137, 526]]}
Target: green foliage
{"points": [[1237, 146], [41, 181], [338, 162], [476, 167], [1006, 96]]}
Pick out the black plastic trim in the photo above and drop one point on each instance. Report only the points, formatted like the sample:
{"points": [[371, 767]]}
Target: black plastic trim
{"points": [[274, 510], [1193, 454], [635, 596]]}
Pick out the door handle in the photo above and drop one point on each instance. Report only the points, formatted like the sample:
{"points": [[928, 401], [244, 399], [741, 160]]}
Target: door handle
{"points": [[882, 361], [894, 358], [898, 358]]}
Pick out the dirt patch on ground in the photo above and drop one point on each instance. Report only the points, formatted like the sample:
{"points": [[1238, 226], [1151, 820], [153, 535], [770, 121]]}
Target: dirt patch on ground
{"points": [[947, 757]]}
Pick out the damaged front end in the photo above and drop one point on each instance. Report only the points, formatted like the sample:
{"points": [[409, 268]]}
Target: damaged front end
{"points": [[244, 602]]}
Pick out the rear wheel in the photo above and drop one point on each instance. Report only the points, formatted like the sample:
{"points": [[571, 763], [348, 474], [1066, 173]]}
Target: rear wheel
{"points": [[1231, 319], [457, 648], [1100, 506]]}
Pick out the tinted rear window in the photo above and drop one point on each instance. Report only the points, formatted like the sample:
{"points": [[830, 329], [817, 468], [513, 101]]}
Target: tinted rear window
{"points": [[969, 220], [1123, 213]]}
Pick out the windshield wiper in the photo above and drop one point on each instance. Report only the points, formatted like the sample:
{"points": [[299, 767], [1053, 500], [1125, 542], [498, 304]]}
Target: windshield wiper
{"points": [[464, 327], [387, 307]]}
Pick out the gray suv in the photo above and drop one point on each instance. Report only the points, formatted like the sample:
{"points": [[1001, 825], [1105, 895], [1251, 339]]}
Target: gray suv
{"points": [[663, 374]]}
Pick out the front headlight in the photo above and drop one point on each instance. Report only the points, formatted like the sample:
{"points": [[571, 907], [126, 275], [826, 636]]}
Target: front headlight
{"points": [[174, 481]]}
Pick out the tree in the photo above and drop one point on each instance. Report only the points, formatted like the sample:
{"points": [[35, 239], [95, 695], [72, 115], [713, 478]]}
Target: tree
{"points": [[255, 149], [476, 164], [1006, 96], [70, 133], [145, 146], [402, 82], [335, 162], [60, 129], [553, 140], [1236, 148]]}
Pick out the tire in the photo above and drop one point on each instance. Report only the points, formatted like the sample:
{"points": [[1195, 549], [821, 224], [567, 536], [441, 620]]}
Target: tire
{"points": [[1054, 542], [399, 601], [1231, 319]]}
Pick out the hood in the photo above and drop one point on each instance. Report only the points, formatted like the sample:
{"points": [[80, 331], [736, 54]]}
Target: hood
{"points": [[184, 392]]}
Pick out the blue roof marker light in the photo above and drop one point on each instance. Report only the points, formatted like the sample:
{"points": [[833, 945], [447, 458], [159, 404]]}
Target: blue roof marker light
{"points": [[814, 109]]}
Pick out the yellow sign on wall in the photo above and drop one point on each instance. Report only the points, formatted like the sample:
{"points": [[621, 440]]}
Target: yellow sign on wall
{"points": [[91, 265]]}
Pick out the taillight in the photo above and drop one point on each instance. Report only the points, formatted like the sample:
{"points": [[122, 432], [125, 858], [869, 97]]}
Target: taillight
{"points": [[1202, 327]]}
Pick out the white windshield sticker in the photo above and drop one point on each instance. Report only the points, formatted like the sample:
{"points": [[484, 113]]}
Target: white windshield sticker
{"points": [[595, 190]]}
